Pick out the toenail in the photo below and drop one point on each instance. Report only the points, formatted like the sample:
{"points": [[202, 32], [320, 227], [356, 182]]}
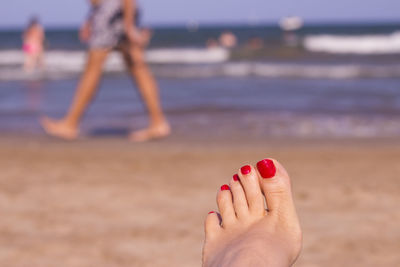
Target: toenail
{"points": [[211, 212], [236, 177], [266, 167], [245, 169], [225, 187]]}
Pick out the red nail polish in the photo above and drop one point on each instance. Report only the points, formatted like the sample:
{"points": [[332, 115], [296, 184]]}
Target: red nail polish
{"points": [[225, 187], [211, 212], [236, 177], [266, 167], [245, 169]]}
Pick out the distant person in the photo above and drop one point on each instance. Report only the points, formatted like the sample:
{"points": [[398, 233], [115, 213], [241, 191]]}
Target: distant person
{"points": [[113, 24], [228, 40], [33, 45]]}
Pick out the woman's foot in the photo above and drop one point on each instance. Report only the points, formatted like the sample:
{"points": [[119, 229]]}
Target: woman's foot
{"points": [[153, 132], [59, 129], [245, 233]]}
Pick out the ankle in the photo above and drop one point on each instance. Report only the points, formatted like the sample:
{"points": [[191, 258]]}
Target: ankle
{"points": [[154, 123], [69, 123]]}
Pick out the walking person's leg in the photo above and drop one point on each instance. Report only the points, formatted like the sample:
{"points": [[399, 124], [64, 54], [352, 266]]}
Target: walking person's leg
{"points": [[137, 66], [68, 126]]}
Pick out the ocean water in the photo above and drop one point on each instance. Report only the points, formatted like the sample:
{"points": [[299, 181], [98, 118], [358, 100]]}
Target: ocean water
{"points": [[329, 81]]}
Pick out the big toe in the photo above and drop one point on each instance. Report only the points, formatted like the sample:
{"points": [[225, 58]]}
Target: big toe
{"points": [[275, 184]]}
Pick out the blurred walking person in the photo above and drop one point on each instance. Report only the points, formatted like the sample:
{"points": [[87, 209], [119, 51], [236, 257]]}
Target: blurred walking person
{"points": [[33, 42], [113, 24]]}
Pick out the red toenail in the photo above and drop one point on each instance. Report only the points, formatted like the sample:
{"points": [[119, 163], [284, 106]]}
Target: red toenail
{"points": [[236, 177], [266, 167], [211, 212], [245, 169], [225, 187]]}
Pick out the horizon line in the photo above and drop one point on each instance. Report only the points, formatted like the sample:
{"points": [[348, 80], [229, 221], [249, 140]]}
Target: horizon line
{"points": [[274, 23]]}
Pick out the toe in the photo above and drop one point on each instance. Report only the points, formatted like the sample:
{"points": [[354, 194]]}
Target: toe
{"points": [[250, 182], [239, 198], [45, 122], [212, 225], [275, 184], [225, 206]]}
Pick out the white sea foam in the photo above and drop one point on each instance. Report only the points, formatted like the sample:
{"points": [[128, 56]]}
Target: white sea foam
{"points": [[194, 63], [362, 44], [71, 60], [190, 55], [277, 70], [60, 63]]}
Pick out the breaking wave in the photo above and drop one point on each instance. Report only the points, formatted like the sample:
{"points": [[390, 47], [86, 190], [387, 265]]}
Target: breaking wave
{"points": [[351, 44], [195, 63]]}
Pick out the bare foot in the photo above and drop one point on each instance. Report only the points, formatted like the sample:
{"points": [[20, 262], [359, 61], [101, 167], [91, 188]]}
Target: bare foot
{"points": [[58, 129], [153, 132], [245, 233]]}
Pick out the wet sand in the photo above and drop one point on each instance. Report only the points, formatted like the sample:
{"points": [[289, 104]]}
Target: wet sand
{"points": [[106, 202]]}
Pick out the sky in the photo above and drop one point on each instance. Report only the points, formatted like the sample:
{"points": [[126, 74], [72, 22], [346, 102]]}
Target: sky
{"points": [[15, 13]]}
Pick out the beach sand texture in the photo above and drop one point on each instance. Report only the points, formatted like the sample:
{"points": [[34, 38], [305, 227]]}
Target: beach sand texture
{"points": [[106, 202]]}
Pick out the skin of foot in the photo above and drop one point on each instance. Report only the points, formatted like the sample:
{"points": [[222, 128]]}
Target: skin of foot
{"points": [[244, 232], [59, 129], [155, 131]]}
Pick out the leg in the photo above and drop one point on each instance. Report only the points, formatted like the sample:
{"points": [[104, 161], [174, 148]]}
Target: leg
{"points": [[158, 127], [29, 63], [41, 62], [248, 234], [67, 127]]}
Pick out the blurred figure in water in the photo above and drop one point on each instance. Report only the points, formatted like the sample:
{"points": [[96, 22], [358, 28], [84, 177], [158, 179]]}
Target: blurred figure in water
{"points": [[113, 24], [33, 41], [228, 40]]}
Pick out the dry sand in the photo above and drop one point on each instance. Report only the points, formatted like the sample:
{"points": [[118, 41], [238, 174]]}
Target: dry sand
{"points": [[106, 202]]}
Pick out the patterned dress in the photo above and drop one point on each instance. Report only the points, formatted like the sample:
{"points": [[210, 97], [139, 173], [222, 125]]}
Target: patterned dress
{"points": [[107, 26]]}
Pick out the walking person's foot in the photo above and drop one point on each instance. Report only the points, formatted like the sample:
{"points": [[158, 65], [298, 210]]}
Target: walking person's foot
{"points": [[244, 233], [155, 131], [59, 128]]}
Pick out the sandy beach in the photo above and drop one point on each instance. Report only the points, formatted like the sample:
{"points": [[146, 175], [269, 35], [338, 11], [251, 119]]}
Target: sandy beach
{"points": [[106, 202], [238, 82]]}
